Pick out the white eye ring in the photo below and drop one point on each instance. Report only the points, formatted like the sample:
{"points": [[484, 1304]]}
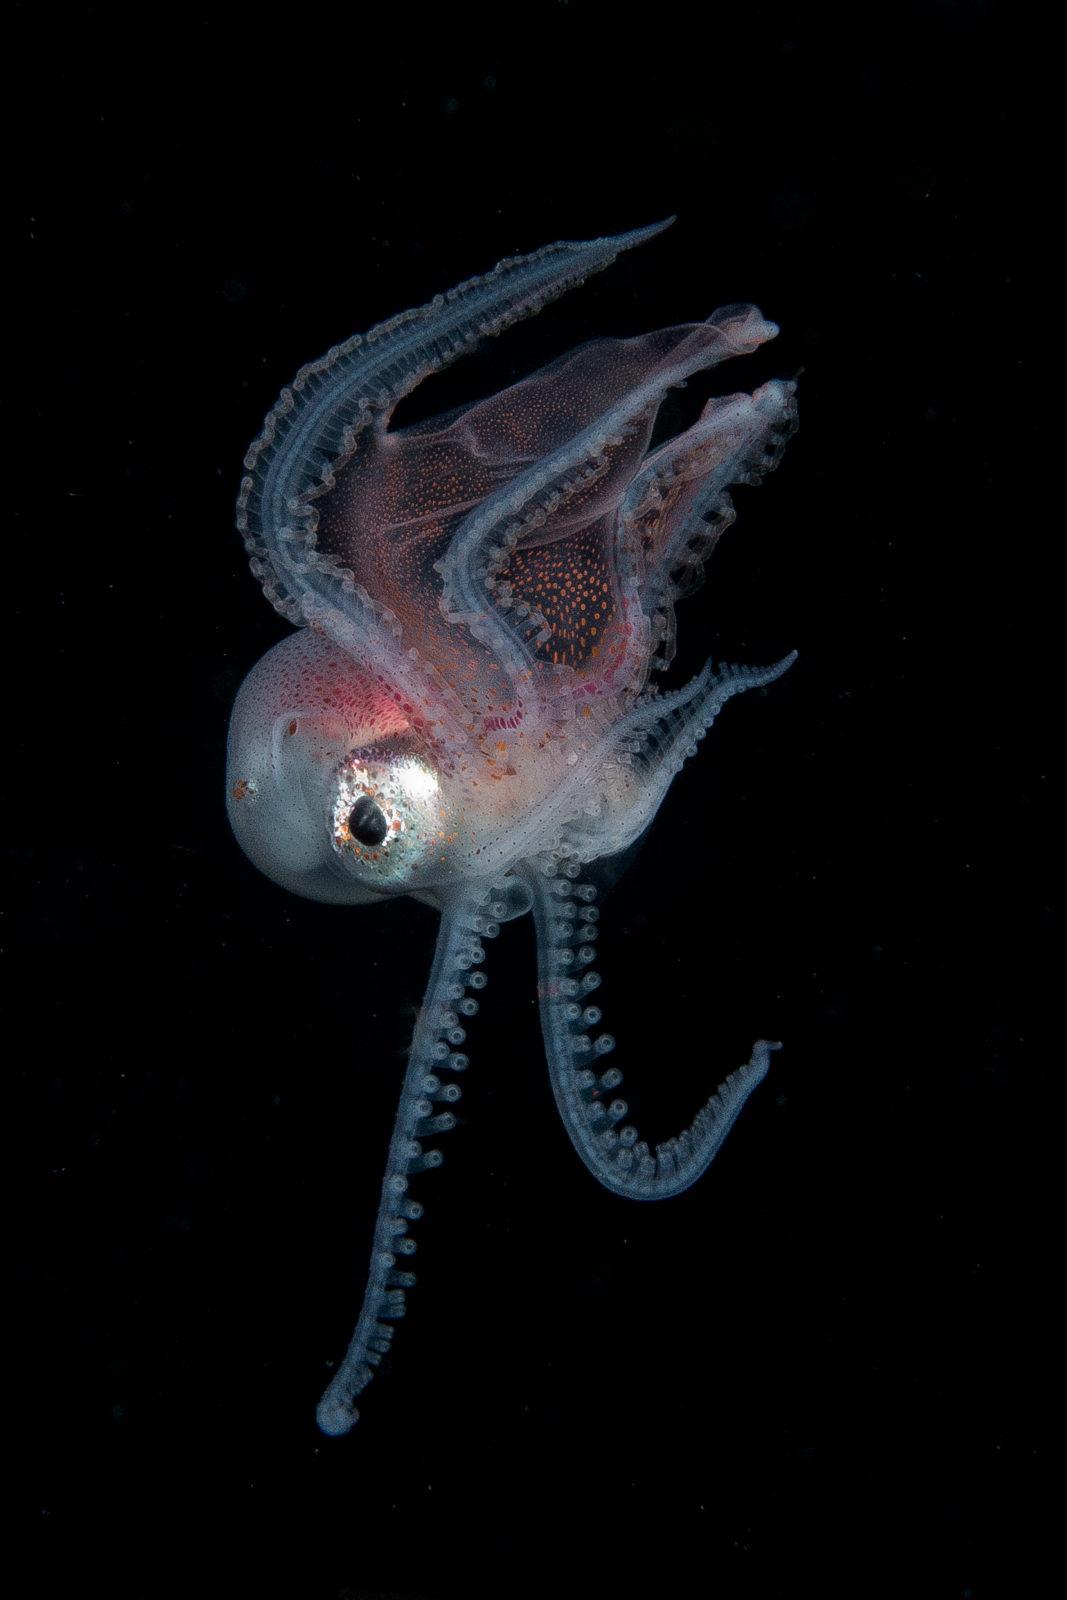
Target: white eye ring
{"points": [[358, 783], [406, 796]]}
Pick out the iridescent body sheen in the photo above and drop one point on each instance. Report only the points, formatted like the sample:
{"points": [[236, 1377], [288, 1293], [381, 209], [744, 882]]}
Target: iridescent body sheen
{"points": [[465, 712]]}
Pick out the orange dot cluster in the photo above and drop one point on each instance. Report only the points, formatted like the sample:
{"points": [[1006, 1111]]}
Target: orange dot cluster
{"points": [[568, 582]]}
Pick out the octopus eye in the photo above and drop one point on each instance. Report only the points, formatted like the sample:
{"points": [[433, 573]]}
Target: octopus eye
{"points": [[366, 821]]}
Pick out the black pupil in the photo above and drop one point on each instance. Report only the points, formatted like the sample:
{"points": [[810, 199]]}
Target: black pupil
{"points": [[366, 821]]}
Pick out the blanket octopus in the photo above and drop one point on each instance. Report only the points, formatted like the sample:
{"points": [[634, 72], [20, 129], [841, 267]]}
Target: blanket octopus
{"points": [[465, 712]]}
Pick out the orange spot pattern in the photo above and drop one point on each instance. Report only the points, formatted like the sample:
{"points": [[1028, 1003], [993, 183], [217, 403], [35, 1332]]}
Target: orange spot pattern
{"points": [[570, 585]]}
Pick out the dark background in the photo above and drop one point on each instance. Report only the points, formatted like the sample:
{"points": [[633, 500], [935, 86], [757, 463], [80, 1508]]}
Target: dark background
{"points": [[828, 1368]]}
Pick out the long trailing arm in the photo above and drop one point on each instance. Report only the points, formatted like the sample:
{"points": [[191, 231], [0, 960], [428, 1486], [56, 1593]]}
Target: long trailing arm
{"points": [[466, 919]]}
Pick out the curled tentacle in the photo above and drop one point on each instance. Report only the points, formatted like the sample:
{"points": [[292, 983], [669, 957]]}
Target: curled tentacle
{"points": [[678, 505], [566, 927], [644, 752]]}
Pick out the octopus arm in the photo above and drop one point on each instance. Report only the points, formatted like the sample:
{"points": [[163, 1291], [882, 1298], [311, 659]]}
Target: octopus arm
{"points": [[468, 916], [524, 511], [614, 1154], [317, 418], [677, 507], [647, 750], [650, 746]]}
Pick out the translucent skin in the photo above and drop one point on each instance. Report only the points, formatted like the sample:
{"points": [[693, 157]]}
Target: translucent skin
{"points": [[465, 712]]}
